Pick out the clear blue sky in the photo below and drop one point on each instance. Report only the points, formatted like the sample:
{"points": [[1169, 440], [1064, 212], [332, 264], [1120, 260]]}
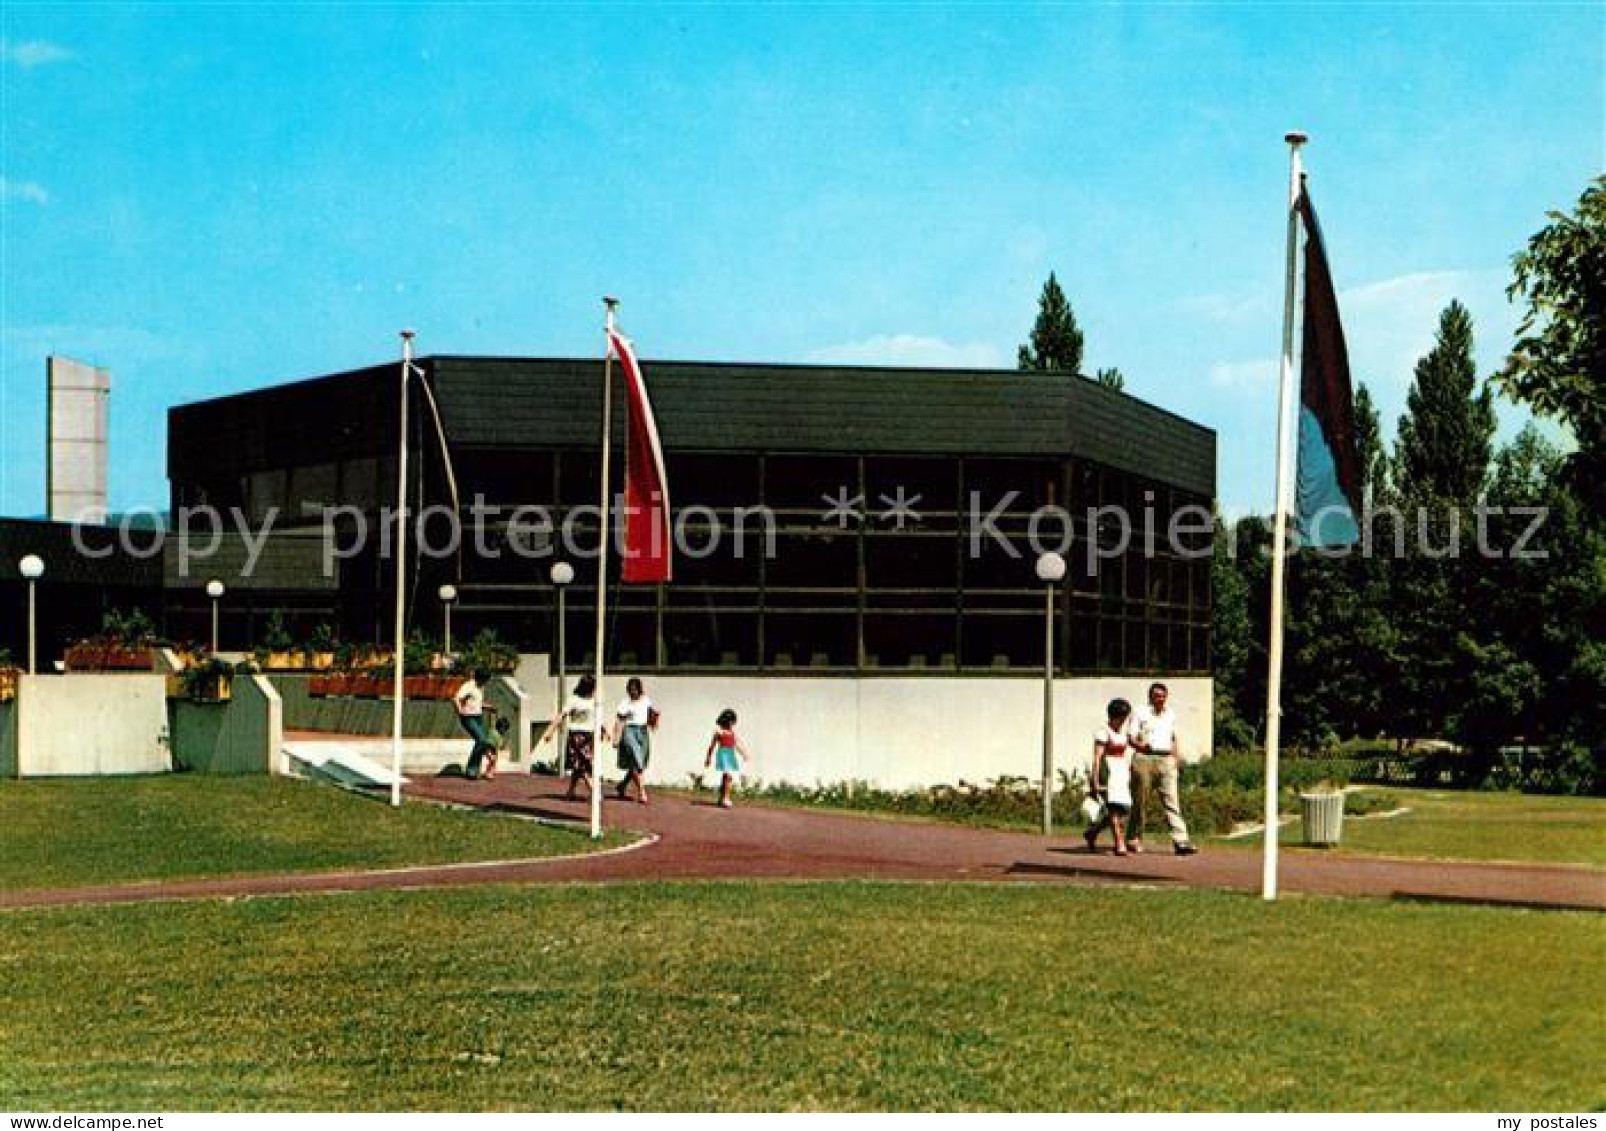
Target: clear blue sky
{"points": [[211, 198]]}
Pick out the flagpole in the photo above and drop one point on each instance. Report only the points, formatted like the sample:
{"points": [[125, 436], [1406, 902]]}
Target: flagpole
{"points": [[401, 572], [602, 570], [1285, 416]]}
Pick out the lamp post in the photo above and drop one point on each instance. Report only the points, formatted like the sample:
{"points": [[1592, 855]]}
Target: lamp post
{"points": [[32, 568], [448, 594], [214, 590], [1050, 571], [561, 573]]}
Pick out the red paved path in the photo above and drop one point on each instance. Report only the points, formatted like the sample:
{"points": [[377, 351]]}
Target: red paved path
{"points": [[697, 840]]}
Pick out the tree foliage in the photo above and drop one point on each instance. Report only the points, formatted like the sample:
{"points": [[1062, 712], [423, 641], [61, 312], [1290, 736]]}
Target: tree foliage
{"points": [[1369, 447], [1110, 378], [1442, 454], [1056, 340], [1558, 366]]}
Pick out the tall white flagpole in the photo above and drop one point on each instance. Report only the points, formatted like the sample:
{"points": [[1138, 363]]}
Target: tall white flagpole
{"points": [[1285, 446], [602, 570], [401, 571]]}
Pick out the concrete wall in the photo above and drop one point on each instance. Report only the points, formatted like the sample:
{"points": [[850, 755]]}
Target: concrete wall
{"points": [[427, 718], [240, 736], [896, 732], [421, 718], [92, 724], [8, 739], [520, 708]]}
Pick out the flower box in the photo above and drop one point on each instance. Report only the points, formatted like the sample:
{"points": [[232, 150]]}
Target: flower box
{"points": [[91, 657], [8, 683], [318, 686]]}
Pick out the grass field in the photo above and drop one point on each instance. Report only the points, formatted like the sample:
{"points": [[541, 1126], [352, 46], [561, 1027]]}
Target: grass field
{"points": [[840, 996], [99, 830], [1479, 826]]}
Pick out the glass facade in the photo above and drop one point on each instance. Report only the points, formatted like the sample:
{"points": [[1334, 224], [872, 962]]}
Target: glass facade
{"points": [[836, 563]]}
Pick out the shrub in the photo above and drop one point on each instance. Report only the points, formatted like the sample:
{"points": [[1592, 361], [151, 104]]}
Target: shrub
{"points": [[487, 652]]}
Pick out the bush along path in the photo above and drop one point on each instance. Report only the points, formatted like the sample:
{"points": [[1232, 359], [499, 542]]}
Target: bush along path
{"points": [[694, 839]]}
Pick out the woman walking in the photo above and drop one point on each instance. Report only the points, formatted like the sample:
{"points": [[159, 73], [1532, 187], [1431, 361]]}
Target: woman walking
{"points": [[577, 716], [634, 723]]}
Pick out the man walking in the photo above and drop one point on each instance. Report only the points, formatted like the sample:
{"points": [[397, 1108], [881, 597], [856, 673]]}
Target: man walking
{"points": [[1154, 737]]}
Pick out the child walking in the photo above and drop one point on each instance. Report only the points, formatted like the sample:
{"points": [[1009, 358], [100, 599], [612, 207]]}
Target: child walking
{"points": [[725, 754], [1112, 753]]}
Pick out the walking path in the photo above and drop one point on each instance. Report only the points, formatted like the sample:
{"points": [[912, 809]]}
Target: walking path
{"points": [[696, 840]]}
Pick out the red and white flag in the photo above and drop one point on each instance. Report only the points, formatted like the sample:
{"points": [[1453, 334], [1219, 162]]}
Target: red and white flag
{"points": [[649, 544]]}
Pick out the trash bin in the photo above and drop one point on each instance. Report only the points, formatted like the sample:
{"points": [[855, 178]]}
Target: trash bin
{"points": [[1324, 817]]}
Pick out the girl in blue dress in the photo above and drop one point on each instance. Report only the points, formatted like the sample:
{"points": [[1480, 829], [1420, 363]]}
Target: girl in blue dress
{"points": [[726, 754]]}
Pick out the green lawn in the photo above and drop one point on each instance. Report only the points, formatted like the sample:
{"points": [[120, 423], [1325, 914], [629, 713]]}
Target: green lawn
{"points": [[102, 830], [1453, 825], [840, 996]]}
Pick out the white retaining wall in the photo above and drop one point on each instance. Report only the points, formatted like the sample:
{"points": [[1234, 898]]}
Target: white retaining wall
{"points": [[86, 723], [894, 732]]}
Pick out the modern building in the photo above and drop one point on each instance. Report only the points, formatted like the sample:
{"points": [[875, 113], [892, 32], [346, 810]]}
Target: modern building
{"points": [[925, 587], [879, 617]]}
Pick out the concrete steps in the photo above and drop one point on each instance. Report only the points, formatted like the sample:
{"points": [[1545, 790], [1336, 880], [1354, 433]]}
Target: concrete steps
{"points": [[341, 763]]}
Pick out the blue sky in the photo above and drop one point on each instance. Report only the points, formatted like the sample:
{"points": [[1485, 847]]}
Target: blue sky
{"points": [[211, 198]]}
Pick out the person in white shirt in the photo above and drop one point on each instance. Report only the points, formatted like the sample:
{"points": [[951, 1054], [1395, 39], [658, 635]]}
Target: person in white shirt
{"points": [[1154, 737], [634, 722], [470, 702], [578, 716]]}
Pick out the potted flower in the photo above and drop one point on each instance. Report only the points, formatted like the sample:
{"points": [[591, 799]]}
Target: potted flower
{"points": [[319, 651], [210, 681], [9, 674], [275, 652], [123, 644]]}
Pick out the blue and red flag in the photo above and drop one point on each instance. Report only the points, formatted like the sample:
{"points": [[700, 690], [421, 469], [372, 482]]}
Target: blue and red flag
{"points": [[1327, 492]]}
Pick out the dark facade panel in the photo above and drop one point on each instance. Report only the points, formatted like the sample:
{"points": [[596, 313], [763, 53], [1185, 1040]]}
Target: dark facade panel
{"points": [[776, 408], [344, 416], [555, 403]]}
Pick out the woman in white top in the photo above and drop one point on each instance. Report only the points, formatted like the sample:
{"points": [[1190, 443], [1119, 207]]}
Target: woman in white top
{"points": [[633, 725], [579, 716]]}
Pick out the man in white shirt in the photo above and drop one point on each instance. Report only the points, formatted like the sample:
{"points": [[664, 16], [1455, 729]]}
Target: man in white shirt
{"points": [[1154, 737]]}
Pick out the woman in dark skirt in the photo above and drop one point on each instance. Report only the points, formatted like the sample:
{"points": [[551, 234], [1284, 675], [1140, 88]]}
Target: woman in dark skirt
{"points": [[578, 717]]}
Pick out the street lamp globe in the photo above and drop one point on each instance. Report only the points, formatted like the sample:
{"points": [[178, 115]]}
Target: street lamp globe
{"points": [[1050, 568], [562, 573], [214, 589], [447, 593], [32, 567]]}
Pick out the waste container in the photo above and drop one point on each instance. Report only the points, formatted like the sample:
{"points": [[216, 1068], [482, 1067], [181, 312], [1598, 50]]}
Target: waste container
{"points": [[1324, 817]]}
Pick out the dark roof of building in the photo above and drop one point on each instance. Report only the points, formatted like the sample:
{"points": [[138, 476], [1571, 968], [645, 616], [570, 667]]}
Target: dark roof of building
{"points": [[553, 403]]}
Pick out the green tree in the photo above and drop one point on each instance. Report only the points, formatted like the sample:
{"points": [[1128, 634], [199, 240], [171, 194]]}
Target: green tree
{"points": [[1056, 341], [1558, 366], [1535, 655], [1443, 449], [1369, 448], [1110, 378], [1440, 467], [1231, 633]]}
